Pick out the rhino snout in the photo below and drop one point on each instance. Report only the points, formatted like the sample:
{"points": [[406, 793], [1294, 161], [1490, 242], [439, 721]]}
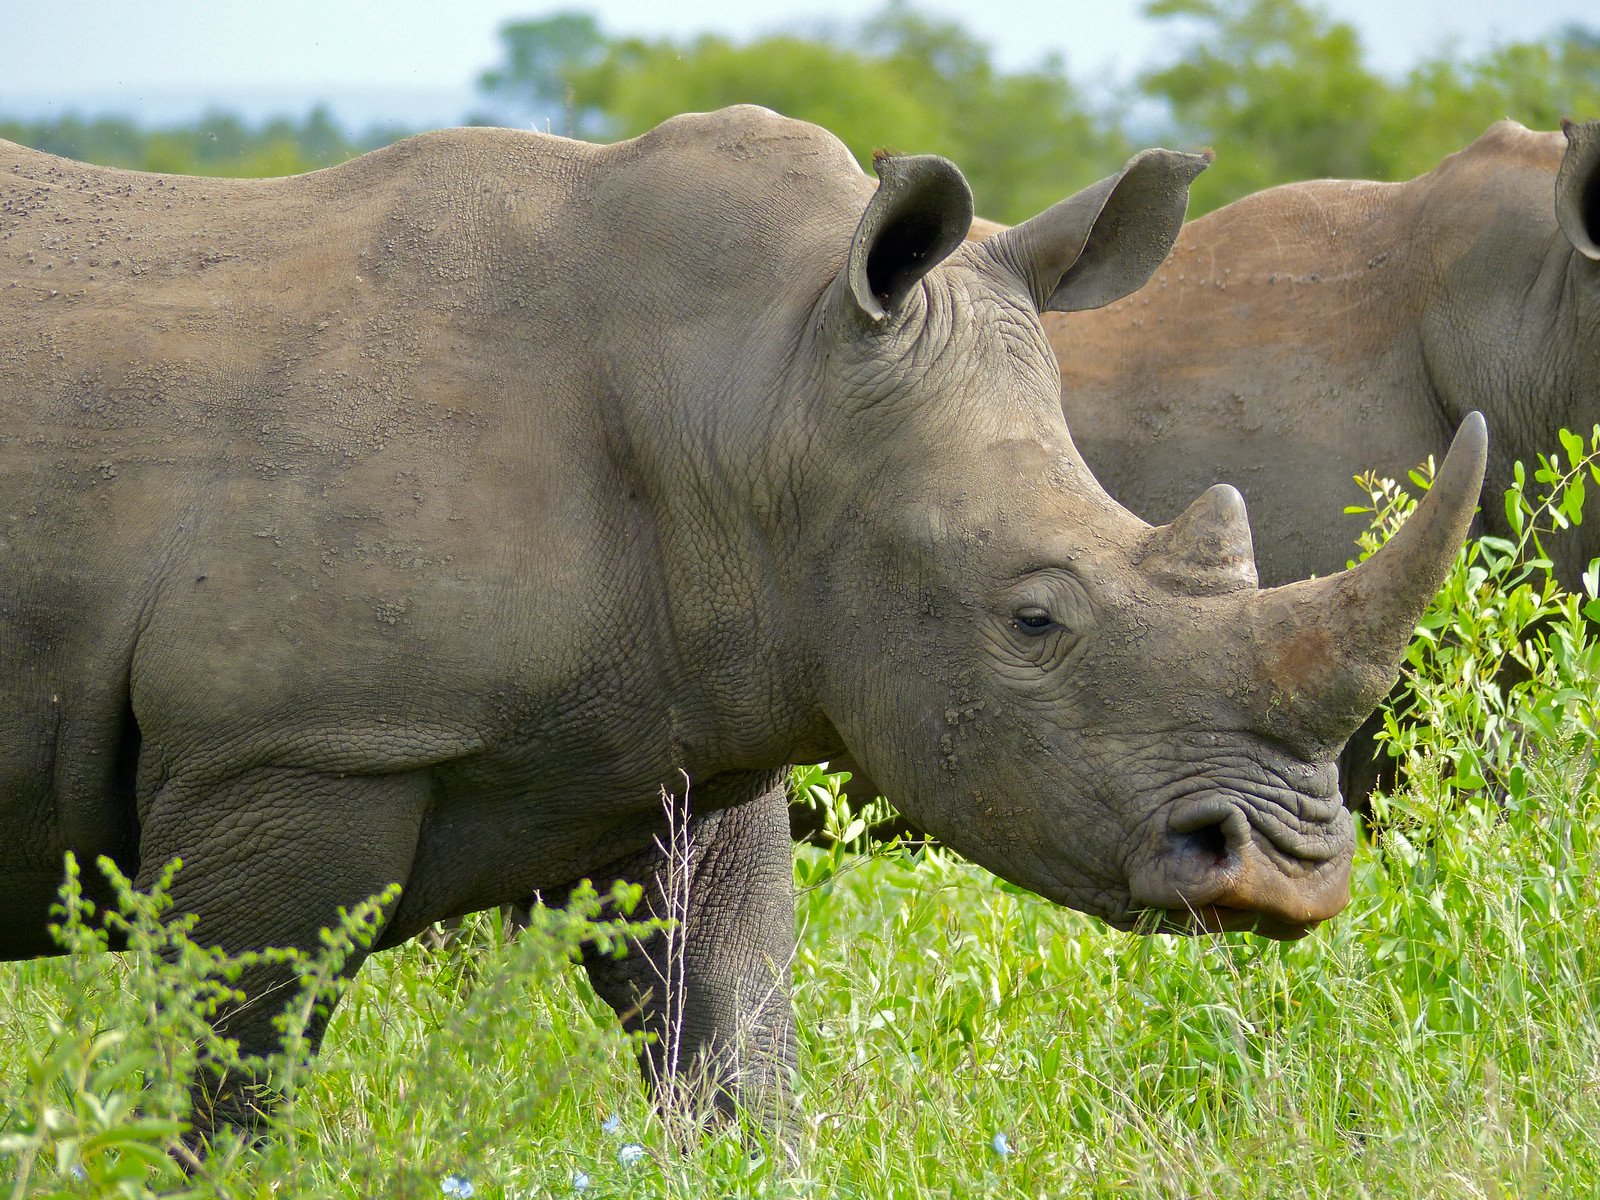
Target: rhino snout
{"points": [[1237, 861]]}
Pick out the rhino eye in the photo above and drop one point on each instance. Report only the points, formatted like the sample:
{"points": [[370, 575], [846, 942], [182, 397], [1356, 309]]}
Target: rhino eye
{"points": [[1033, 619]]}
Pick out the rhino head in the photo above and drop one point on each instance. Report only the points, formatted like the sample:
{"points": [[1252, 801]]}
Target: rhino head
{"points": [[1112, 715]]}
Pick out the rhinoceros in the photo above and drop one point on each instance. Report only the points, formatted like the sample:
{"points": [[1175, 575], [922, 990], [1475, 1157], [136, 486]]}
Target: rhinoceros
{"points": [[1314, 331], [422, 519]]}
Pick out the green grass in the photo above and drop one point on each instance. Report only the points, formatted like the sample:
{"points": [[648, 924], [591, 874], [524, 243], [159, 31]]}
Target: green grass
{"points": [[1441, 1038]]}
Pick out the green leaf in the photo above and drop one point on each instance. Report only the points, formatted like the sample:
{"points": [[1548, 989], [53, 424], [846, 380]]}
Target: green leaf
{"points": [[1572, 502], [1052, 1060], [1514, 511]]}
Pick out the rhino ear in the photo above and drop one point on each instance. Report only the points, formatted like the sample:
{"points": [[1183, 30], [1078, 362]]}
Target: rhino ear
{"points": [[919, 214], [1106, 241], [1578, 188]]}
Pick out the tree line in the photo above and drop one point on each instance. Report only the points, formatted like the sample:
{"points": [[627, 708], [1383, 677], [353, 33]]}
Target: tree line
{"points": [[219, 143], [1278, 88]]}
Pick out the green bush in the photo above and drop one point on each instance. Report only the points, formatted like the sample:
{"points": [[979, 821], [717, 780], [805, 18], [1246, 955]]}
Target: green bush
{"points": [[101, 1049]]}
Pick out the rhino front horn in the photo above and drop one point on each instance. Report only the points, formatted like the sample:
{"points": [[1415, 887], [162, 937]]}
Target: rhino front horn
{"points": [[1330, 648]]}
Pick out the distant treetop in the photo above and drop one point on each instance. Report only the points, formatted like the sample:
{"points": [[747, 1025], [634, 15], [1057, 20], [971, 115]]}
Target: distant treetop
{"points": [[217, 144]]}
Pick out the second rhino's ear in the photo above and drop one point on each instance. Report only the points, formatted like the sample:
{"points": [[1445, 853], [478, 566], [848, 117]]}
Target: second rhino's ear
{"points": [[919, 214], [1106, 241], [1578, 188]]}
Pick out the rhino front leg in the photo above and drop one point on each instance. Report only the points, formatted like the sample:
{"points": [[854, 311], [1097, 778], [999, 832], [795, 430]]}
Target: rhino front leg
{"points": [[721, 1011], [269, 857]]}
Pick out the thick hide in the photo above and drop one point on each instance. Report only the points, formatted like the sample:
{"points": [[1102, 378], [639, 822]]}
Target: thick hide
{"points": [[1311, 332]]}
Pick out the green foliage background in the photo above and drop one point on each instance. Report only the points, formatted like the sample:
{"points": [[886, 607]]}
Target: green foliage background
{"points": [[1281, 90]]}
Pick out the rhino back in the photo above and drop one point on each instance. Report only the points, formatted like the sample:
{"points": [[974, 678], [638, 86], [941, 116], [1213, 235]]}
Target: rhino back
{"points": [[1262, 354]]}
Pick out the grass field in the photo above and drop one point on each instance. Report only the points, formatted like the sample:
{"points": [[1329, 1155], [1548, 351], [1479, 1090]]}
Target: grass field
{"points": [[960, 1037]]}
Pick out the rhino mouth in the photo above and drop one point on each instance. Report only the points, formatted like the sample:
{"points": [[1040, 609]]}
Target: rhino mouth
{"points": [[1245, 846], [1209, 919], [1222, 918]]}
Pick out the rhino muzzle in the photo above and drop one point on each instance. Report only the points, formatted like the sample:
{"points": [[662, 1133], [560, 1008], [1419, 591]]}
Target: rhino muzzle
{"points": [[1227, 864], [1268, 847]]}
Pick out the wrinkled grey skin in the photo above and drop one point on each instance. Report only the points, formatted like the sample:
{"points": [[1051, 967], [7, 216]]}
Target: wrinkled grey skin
{"points": [[421, 519], [1314, 331]]}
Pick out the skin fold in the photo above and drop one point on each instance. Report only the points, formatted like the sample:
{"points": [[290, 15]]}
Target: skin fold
{"points": [[426, 519]]}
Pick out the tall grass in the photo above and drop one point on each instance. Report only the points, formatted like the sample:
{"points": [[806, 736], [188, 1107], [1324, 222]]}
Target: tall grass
{"points": [[961, 1037]]}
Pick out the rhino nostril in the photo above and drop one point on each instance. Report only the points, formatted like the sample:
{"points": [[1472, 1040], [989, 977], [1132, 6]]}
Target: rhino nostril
{"points": [[1209, 843]]}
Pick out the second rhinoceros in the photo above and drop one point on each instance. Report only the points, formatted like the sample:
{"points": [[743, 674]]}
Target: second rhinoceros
{"points": [[1314, 331], [420, 520]]}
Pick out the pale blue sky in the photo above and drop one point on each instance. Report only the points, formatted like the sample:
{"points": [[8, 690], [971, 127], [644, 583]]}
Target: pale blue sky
{"points": [[415, 60]]}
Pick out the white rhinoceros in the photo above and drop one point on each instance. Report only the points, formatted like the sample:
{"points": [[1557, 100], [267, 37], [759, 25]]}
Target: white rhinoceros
{"points": [[1314, 331], [419, 520]]}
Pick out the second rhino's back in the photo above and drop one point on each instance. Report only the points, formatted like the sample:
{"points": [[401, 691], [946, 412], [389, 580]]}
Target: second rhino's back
{"points": [[1262, 354]]}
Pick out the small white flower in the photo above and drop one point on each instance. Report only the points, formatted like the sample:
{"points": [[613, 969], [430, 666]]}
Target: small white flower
{"points": [[630, 1153], [457, 1185], [1001, 1146], [580, 1180], [611, 1124]]}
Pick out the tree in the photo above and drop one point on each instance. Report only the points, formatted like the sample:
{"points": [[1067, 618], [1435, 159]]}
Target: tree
{"points": [[1278, 88], [1024, 140], [641, 83], [218, 144], [1446, 103], [1284, 93], [539, 58], [899, 81]]}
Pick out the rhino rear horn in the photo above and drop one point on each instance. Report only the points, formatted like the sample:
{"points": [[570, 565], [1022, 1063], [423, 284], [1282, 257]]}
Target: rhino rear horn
{"points": [[1207, 550], [919, 214], [1578, 188], [1104, 242]]}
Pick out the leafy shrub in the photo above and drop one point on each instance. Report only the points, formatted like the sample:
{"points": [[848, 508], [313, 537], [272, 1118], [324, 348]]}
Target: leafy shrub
{"points": [[110, 1043]]}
